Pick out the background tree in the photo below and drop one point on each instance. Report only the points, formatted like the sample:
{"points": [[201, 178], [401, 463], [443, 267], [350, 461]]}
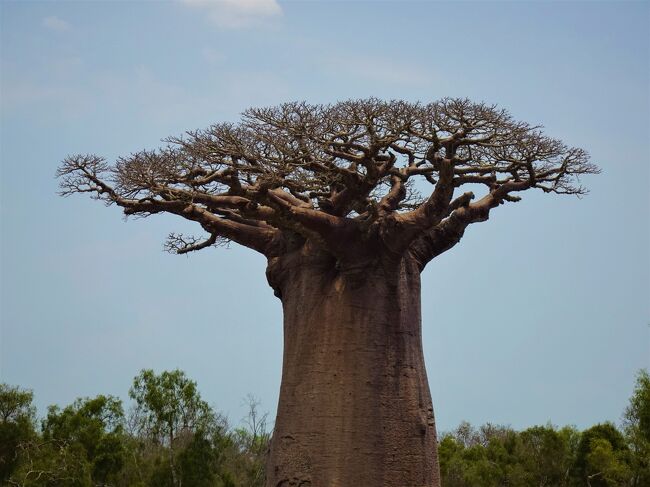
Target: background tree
{"points": [[248, 447], [547, 454], [51, 463], [95, 428], [82, 445], [170, 410], [329, 194], [602, 457], [66, 451], [636, 421], [91, 443], [16, 426]]}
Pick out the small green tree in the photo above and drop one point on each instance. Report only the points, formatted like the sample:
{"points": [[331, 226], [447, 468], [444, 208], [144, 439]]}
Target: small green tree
{"points": [[486, 457], [636, 423], [602, 457], [637, 414], [199, 462], [93, 427], [16, 426], [497, 456], [451, 463], [169, 411], [52, 463], [546, 455], [606, 466]]}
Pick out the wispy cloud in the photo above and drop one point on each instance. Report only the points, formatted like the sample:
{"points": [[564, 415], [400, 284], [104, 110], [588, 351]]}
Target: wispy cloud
{"points": [[237, 14], [56, 24]]}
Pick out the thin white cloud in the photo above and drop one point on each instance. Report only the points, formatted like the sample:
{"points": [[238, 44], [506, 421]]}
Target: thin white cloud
{"points": [[237, 14], [56, 24]]}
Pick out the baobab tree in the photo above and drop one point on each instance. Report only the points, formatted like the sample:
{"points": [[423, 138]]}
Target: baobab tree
{"points": [[331, 196]]}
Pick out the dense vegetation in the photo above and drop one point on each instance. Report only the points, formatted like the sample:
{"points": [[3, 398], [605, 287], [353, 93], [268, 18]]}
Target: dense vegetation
{"points": [[170, 437]]}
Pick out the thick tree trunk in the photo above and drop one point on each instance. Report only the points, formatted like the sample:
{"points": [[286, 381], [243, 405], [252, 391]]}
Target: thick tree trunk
{"points": [[355, 408]]}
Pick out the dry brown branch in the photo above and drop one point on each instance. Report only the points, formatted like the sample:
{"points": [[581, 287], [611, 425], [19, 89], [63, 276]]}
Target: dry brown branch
{"points": [[329, 172]]}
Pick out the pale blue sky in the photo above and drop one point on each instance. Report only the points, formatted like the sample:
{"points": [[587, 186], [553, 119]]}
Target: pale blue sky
{"points": [[541, 314]]}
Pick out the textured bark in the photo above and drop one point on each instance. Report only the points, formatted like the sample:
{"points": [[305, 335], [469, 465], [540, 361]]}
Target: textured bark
{"points": [[355, 407]]}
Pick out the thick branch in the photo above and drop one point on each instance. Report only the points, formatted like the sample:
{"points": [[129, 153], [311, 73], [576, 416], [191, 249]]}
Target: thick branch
{"points": [[82, 174], [340, 175], [449, 232], [333, 231]]}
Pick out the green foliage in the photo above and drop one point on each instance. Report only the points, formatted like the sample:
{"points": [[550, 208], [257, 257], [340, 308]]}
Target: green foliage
{"points": [[606, 466], [16, 426], [169, 405], [487, 457], [170, 412], [172, 438], [199, 463], [541, 456], [601, 456], [636, 422], [547, 454], [637, 414], [52, 463], [81, 445], [96, 428]]}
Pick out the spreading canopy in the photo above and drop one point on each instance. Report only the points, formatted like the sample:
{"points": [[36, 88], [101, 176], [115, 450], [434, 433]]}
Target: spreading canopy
{"points": [[337, 174]]}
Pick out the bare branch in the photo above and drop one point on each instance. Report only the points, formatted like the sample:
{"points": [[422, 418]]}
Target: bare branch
{"points": [[178, 243], [325, 171]]}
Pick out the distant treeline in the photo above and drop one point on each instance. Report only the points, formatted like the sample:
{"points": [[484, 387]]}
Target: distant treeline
{"points": [[170, 437]]}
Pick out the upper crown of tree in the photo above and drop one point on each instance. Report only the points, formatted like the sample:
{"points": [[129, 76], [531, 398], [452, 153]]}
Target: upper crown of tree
{"points": [[330, 172]]}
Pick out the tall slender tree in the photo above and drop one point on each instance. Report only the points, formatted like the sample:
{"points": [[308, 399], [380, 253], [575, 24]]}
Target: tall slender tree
{"points": [[169, 410], [330, 195]]}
